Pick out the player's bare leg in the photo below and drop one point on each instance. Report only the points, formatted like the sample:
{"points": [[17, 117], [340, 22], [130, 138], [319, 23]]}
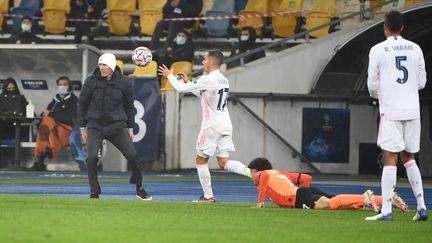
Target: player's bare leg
{"points": [[233, 166], [414, 177]]}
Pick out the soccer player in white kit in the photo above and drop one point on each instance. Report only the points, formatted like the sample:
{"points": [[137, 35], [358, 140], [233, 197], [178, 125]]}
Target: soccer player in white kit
{"points": [[396, 73], [214, 138]]}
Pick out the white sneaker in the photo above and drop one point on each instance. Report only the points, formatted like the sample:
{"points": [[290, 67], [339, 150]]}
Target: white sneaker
{"points": [[380, 217], [370, 201], [398, 202]]}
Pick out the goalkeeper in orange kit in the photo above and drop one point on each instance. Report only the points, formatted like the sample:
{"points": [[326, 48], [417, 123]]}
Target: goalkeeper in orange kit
{"points": [[278, 186]]}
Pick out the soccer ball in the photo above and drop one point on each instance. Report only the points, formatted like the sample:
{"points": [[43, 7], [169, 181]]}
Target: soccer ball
{"points": [[142, 56]]}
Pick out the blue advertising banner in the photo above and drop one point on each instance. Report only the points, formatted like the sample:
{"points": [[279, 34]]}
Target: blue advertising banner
{"points": [[326, 135], [148, 104]]}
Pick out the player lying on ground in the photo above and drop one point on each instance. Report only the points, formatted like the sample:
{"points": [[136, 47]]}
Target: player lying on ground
{"points": [[277, 187]]}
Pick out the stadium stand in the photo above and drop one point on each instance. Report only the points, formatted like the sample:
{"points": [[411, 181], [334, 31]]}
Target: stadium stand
{"points": [[286, 25], [219, 28], [120, 64], [4, 8], [150, 13], [181, 66], [253, 7], [28, 7], [147, 71], [347, 7], [54, 15], [322, 12], [240, 5], [120, 16]]}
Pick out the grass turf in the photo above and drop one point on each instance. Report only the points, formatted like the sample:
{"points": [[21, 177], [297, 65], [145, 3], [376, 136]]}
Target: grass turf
{"points": [[58, 219]]}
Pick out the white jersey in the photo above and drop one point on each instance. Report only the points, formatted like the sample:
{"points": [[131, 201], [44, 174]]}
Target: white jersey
{"points": [[396, 73], [213, 90]]}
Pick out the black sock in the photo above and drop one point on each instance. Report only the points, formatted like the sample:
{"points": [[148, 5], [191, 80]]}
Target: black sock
{"points": [[139, 187]]}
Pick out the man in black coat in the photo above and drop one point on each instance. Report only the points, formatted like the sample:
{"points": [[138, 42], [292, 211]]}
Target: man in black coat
{"points": [[106, 111], [175, 9]]}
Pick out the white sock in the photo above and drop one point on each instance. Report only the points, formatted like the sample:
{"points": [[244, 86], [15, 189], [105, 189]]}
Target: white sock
{"points": [[238, 168], [415, 180], [205, 180], [388, 183]]}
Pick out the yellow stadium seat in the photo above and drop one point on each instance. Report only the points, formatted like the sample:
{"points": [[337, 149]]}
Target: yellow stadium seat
{"points": [[409, 2], [54, 15], [181, 66], [150, 13], [285, 25], [148, 21], [120, 64], [253, 7], [120, 14], [4, 8], [147, 71], [323, 12]]}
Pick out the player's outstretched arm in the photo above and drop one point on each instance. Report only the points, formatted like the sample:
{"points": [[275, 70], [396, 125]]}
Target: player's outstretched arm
{"points": [[196, 85]]}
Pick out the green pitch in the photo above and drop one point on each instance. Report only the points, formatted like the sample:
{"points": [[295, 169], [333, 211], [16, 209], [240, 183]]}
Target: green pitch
{"points": [[58, 219]]}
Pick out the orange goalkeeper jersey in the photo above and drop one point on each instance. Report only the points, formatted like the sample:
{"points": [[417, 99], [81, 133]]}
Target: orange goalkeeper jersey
{"points": [[274, 185]]}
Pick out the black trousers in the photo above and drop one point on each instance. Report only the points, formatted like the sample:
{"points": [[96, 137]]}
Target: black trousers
{"points": [[122, 142]]}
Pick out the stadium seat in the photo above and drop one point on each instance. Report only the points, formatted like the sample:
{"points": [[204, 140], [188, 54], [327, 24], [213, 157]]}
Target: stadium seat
{"points": [[4, 8], [54, 15], [217, 28], [253, 7], [348, 7], [239, 5], [120, 64], [323, 12], [226, 5], [410, 2], [286, 25], [147, 71], [207, 5], [26, 7], [181, 66], [150, 13], [120, 16]]}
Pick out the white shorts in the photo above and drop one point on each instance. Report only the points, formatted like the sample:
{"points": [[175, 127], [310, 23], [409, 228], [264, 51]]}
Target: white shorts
{"points": [[397, 136], [211, 143]]}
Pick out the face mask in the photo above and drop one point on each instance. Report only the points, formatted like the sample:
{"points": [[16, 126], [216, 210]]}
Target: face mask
{"points": [[244, 37], [180, 40], [62, 89], [25, 27]]}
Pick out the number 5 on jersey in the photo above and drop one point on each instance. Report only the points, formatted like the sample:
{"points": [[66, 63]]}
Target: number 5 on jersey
{"points": [[399, 66]]}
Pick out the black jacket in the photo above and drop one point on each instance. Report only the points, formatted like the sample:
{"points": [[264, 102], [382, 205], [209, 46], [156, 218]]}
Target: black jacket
{"points": [[107, 105], [25, 38], [189, 8], [64, 110], [245, 46]]}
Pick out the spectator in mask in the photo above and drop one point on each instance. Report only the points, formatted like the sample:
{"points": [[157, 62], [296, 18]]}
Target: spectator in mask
{"points": [[175, 9], [246, 43], [26, 35], [7, 127], [56, 126], [181, 50]]}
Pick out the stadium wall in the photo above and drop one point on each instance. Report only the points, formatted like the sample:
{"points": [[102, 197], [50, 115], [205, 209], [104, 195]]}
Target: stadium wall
{"points": [[292, 71], [252, 140]]}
